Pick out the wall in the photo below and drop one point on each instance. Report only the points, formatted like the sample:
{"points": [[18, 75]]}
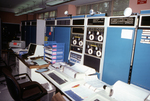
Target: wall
{"points": [[136, 8], [8, 17], [70, 8]]}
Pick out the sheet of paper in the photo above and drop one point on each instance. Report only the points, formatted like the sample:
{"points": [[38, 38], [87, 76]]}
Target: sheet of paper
{"points": [[126, 34], [95, 82], [56, 65], [83, 69], [124, 92], [69, 71], [82, 91], [40, 61]]}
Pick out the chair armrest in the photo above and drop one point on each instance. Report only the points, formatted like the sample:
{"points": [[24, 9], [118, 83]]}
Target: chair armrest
{"points": [[23, 74], [33, 86]]}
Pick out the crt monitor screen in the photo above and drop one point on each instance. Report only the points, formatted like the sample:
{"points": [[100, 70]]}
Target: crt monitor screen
{"points": [[145, 21], [32, 48]]}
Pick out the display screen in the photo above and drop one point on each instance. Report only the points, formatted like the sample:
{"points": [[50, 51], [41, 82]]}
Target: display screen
{"points": [[33, 23], [50, 22], [77, 30], [122, 21], [23, 23], [28, 23], [31, 49], [78, 22], [99, 21], [63, 22], [145, 21]]}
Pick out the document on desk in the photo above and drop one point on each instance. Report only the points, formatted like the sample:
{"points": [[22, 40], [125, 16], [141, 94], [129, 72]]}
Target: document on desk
{"points": [[80, 92], [94, 83], [78, 71], [69, 71], [40, 61]]}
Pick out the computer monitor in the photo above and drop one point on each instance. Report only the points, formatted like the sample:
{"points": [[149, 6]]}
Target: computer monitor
{"points": [[34, 50], [31, 49]]}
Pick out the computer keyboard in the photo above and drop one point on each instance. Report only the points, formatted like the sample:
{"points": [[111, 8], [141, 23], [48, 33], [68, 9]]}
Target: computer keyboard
{"points": [[25, 55], [56, 78]]}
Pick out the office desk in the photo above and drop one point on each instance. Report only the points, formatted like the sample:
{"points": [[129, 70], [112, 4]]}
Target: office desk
{"points": [[24, 67], [71, 82], [31, 66]]}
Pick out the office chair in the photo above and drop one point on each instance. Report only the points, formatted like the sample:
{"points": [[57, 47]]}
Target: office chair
{"points": [[27, 91]]}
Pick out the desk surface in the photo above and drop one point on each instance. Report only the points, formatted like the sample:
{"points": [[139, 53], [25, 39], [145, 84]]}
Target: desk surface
{"points": [[30, 65], [96, 96]]}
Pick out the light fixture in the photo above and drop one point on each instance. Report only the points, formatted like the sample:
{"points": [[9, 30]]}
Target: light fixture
{"points": [[56, 2], [91, 12], [127, 11], [30, 9], [97, 12], [66, 13]]}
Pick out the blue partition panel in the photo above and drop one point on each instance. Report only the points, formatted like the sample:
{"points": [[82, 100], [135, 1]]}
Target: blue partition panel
{"points": [[23, 32], [33, 34], [50, 33], [62, 35], [28, 35], [118, 52], [141, 64]]}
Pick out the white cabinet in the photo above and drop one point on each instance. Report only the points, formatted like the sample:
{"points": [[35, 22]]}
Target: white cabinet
{"points": [[22, 68], [36, 76], [31, 72]]}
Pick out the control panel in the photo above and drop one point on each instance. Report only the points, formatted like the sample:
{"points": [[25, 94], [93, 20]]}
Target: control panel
{"points": [[122, 21], [76, 44], [94, 49], [95, 36]]}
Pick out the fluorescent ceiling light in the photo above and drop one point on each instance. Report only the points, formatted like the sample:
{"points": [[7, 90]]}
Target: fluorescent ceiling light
{"points": [[33, 9], [55, 2]]}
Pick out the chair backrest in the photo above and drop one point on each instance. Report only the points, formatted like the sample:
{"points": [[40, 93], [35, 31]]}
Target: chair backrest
{"points": [[12, 84]]}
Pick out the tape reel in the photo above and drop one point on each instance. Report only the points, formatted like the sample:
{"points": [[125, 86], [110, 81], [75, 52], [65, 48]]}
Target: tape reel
{"points": [[98, 53], [74, 42], [80, 43], [100, 38], [90, 51], [91, 37]]}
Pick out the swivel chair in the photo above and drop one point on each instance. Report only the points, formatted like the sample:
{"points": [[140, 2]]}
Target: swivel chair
{"points": [[27, 91]]}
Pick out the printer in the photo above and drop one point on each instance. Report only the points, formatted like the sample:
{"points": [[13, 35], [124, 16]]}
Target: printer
{"points": [[17, 44]]}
